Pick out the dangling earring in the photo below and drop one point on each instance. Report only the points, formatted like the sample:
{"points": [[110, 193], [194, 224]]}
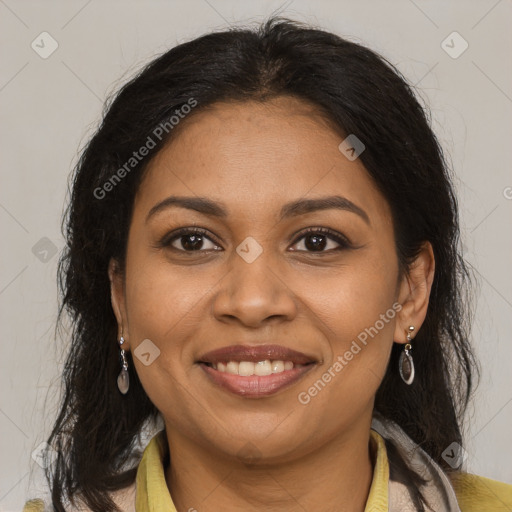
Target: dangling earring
{"points": [[406, 364], [123, 379]]}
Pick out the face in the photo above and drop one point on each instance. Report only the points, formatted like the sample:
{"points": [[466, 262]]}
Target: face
{"points": [[308, 278]]}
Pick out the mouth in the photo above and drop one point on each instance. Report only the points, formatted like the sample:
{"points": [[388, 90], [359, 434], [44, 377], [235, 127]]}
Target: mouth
{"points": [[255, 372]]}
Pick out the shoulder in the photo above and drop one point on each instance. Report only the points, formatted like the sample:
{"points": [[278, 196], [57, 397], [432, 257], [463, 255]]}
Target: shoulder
{"points": [[476, 493], [34, 506], [124, 499]]}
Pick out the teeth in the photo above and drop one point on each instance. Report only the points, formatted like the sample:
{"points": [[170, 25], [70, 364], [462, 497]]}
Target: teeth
{"points": [[246, 368], [261, 368], [232, 367], [277, 366]]}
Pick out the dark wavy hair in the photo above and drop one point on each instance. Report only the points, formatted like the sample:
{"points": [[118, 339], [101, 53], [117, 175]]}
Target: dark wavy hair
{"points": [[359, 91]]}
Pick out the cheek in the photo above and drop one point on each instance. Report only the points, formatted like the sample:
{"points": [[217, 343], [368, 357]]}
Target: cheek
{"points": [[161, 307], [352, 299], [161, 299], [357, 310]]}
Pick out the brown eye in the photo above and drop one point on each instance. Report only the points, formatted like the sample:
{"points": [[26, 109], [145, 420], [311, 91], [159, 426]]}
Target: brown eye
{"points": [[321, 240], [315, 242], [189, 240]]}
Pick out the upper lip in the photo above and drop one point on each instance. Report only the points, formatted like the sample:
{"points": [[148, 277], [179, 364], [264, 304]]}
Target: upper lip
{"points": [[255, 354]]}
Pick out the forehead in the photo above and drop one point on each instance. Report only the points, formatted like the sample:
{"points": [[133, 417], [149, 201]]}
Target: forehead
{"points": [[255, 156]]}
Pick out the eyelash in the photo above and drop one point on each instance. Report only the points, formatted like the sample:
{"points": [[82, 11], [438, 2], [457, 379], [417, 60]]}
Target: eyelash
{"points": [[343, 242], [340, 239]]}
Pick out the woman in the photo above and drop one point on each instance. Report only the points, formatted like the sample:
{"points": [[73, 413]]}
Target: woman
{"points": [[263, 252]]}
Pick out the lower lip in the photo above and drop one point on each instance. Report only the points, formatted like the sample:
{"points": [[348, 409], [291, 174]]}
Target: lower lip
{"points": [[255, 386]]}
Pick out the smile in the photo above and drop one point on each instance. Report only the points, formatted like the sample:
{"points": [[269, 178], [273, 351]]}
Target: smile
{"points": [[255, 380]]}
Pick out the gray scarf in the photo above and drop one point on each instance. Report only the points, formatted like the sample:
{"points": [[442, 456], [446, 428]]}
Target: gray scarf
{"points": [[437, 491]]}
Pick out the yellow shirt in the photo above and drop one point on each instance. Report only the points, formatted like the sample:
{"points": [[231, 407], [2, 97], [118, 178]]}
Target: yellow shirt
{"points": [[474, 493]]}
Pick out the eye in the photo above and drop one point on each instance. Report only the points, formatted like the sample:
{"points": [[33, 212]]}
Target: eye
{"points": [[317, 240], [189, 240]]}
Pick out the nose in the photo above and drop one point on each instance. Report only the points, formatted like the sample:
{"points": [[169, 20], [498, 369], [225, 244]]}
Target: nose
{"points": [[254, 294]]}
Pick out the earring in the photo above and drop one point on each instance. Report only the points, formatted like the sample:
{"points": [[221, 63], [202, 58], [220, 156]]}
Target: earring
{"points": [[123, 379], [406, 364]]}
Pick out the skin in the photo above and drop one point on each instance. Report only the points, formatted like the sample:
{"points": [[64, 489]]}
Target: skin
{"points": [[273, 453]]}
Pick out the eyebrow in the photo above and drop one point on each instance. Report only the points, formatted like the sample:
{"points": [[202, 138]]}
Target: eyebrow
{"points": [[303, 206], [293, 209]]}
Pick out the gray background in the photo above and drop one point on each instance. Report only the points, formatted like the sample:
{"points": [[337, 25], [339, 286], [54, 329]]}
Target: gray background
{"points": [[49, 108]]}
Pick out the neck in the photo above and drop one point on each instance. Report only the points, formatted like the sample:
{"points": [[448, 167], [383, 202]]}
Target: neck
{"points": [[335, 476]]}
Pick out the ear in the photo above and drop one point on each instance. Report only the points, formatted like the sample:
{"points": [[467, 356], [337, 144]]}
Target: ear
{"points": [[117, 298], [414, 293]]}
